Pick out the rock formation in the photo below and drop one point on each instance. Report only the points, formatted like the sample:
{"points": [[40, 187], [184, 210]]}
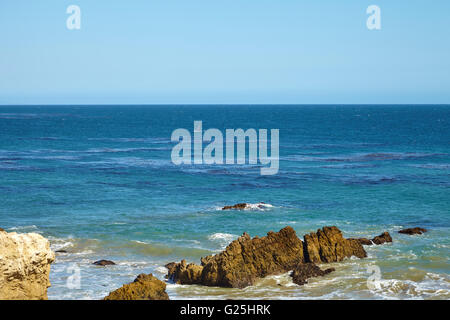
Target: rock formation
{"points": [[303, 271], [184, 273], [246, 259], [328, 245], [239, 206], [243, 261], [382, 238], [24, 266], [412, 231], [144, 287], [104, 263]]}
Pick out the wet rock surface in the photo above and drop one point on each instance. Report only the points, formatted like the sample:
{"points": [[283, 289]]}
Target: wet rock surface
{"points": [[144, 287], [303, 271], [239, 206], [411, 231], [104, 263], [382, 238]]}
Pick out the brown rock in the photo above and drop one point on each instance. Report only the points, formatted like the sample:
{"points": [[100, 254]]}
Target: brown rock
{"points": [[144, 287], [303, 271], [184, 273], [244, 260], [412, 231], [382, 238], [2, 230], [104, 263], [239, 206], [328, 245], [363, 241]]}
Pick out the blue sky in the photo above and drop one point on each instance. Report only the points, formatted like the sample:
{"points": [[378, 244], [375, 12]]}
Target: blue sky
{"points": [[224, 51]]}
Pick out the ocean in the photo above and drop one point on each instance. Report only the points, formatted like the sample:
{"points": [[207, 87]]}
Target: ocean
{"points": [[98, 182]]}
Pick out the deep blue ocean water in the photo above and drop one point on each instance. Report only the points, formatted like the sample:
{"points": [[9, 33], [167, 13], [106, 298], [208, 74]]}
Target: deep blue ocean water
{"points": [[98, 181]]}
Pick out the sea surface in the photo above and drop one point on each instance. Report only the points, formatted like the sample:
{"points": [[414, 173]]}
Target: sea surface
{"points": [[98, 182]]}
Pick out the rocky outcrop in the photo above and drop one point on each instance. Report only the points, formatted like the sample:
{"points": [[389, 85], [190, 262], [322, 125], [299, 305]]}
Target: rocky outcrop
{"points": [[24, 266], [243, 261], [382, 238], [144, 287], [412, 231], [303, 271], [246, 259], [104, 263], [239, 206], [328, 245], [184, 273]]}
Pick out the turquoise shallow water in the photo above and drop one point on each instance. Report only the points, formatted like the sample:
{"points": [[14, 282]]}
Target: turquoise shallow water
{"points": [[98, 182]]}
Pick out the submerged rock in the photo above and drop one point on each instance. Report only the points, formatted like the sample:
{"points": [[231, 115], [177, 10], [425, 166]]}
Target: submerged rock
{"points": [[104, 263], [61, 251], [412, 231], [382, 238], [24, 266], [144, 287], [239, 206], [2, 230], [303, 271], [243, 261], [328, 245]]}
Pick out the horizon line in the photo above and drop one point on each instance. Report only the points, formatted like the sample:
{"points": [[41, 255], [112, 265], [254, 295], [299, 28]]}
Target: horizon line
{"points": [[222, 104]]}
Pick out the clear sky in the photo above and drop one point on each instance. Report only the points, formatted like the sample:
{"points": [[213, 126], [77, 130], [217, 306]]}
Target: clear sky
{"points": [[224, 51]]}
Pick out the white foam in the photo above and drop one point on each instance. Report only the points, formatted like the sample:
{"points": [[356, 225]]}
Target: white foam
{"points": [[222, 236], [261, 206]]}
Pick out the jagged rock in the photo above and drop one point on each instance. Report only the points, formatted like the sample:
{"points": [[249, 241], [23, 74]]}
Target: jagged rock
{"points": [[243, 261], [239, 206], [328, 245], [246, 259], [144, 287], [24, 266], [184, 273], [303, 271], [104, 263], [412, 231], [382, 238]]}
